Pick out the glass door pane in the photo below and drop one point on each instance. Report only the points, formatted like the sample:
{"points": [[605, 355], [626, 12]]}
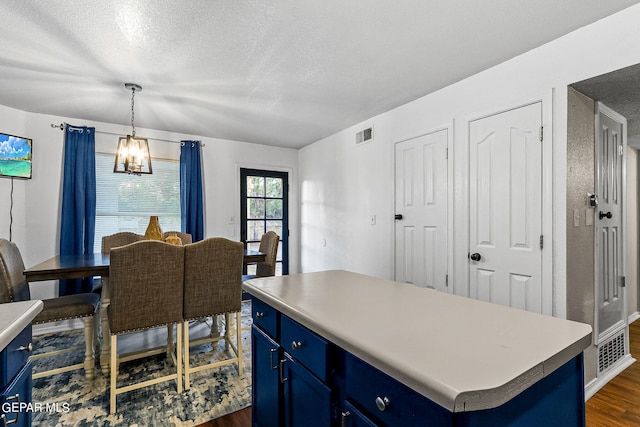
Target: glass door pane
{"points": [[264, 207]]}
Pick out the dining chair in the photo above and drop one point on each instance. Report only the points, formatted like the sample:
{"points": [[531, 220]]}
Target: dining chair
{"points": [[269, 246], [108, 242], [111, 241], [146, 285], [212, 286], [14, 287], [184, 237]]}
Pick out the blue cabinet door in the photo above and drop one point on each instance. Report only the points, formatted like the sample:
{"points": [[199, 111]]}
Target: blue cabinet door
{"points": [[351, 417], [17, 392], [307, 400], [265, 390]]}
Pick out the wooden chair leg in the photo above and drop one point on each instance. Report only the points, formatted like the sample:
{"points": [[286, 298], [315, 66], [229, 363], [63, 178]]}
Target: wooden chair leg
{"points": [[179, 355], [239, 340], [89, 359], [114, 372], [185, 332]]}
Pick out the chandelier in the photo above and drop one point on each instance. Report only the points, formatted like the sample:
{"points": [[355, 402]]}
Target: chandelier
{"points": [[132, 154]]}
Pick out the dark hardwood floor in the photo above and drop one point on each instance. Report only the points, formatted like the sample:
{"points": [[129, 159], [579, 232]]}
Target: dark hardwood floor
{"points": [[241, 418], [617, 404]]}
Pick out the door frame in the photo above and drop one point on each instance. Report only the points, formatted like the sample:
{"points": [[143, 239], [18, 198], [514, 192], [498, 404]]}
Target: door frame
{"points": [[235, 222], [449, 127], [462, 251], [597, 337]]}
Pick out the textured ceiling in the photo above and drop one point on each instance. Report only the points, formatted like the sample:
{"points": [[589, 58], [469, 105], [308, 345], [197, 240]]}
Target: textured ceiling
{"points": [[620, 91], [280, 72]]}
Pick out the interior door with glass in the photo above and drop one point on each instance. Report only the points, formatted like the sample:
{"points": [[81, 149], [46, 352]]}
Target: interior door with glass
{"points": [[264, 207]]}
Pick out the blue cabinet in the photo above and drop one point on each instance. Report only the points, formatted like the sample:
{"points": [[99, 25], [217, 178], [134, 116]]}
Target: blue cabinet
{"points": [[288, 380], [266, 395], [15, 381], [301, 379], [307, 400]]}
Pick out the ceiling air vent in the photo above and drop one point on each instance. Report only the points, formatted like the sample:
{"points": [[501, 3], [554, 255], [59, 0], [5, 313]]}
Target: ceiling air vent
{"points": [[365, 135]]}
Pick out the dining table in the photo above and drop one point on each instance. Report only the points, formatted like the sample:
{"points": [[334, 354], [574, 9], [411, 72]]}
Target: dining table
{"points": [[96, 265]]}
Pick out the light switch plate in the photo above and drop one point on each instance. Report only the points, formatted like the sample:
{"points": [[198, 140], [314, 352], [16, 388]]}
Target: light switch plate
{"points": [[576, 217], [589, 217]]}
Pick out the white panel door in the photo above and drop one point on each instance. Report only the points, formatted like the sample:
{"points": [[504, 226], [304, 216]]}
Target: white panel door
{"points": [[505, 208], [610, 146], [421, 200]]}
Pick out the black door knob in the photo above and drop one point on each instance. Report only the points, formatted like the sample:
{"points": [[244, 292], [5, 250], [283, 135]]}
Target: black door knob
{"points": [[475, 257], [605, 215], [398, 217]]}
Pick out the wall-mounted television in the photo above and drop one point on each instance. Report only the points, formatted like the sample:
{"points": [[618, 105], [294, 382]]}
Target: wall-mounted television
{"points": [[15, 156]]}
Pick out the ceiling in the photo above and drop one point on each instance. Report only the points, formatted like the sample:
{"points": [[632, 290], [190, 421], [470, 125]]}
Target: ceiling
{"points": [[620, 91], [280, 72]]}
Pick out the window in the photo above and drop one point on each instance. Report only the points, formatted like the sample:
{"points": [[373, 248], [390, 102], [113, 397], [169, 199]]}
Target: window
{"points": [[264, 207], [125, 202]]}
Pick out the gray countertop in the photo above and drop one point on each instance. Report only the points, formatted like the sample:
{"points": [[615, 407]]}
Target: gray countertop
{"points": [[461, 353], [14, 317]]}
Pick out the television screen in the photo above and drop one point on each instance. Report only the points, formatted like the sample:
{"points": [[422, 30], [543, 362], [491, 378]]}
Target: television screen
{"points": [[15, 156]]}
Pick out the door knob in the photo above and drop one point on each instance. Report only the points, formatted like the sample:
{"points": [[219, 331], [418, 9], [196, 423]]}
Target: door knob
{"points": [[475, 257], [605, 215], [398, 217]]}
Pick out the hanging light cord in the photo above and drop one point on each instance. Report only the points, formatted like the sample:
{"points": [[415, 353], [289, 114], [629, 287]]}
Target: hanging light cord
{"points": [[11, 212], [133, 127]]}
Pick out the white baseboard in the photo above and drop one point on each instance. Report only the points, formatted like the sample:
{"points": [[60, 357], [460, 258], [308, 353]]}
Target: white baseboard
{"points": [[633, 317], [595, 385]]}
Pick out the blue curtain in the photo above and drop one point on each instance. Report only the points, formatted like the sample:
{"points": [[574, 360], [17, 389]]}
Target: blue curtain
{"points": [[78, 217], [191, 204]]}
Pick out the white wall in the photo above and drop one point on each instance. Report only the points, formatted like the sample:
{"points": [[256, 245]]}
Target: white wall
{"points": [[341, 185], [36, 209]]}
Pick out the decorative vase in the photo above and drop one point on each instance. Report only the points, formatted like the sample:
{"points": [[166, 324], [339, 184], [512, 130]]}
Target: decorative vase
{"points": [[154, 232], [173, 239]]}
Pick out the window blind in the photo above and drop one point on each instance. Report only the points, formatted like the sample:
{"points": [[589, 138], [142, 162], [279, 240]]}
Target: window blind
{"points": [[125, 202]]}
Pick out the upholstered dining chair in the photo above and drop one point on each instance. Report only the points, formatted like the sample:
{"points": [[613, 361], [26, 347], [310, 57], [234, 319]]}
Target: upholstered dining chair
{"points": [[212, 286], [108, 242], [111, 241], [184, 237], [14, 287], [146, 284], [269, 246]]}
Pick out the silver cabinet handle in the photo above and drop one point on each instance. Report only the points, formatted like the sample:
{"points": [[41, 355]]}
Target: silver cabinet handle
{"points": [[15, 420], [28, 347], [282, 379], [382, 403], [259, 314], [271, 352], [344, 417], [296, 345]]}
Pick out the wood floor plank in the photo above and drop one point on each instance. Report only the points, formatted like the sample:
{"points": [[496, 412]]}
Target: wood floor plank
{"points": [[616, 404], [241, 418]]}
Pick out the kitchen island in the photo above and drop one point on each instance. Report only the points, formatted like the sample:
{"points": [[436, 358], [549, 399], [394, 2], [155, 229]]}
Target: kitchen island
{"points": [[15, 367], [376, 352]]}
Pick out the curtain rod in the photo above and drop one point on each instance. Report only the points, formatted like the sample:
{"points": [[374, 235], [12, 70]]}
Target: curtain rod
{"points": [[61, 127]]}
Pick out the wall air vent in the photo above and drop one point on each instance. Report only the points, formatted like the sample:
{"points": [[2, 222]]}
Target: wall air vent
{"points": [[365, 135], [610, 351]]}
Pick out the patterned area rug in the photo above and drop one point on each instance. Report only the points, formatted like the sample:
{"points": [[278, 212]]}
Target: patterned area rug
{"points": [[78, 402]]}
